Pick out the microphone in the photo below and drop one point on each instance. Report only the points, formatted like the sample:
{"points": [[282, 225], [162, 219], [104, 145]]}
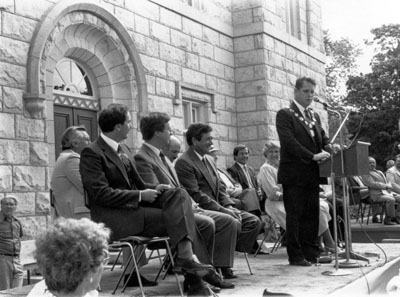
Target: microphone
{"points": [[325, 104]]}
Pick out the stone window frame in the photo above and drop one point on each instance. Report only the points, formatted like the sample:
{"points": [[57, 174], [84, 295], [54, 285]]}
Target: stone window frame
{"points": [[198, 96]]}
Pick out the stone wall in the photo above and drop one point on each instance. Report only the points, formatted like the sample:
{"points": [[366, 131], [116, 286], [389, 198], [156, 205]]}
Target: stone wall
{"points": [[237, 53]]}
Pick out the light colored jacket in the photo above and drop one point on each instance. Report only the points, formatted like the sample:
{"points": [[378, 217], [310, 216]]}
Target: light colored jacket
{"points": [[67, 187]]}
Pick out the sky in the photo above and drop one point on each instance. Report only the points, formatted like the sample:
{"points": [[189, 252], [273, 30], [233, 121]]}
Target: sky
{"points": [[354, 19]]}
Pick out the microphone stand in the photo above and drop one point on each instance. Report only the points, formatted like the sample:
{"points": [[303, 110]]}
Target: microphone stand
{"points": [[347, 232]]}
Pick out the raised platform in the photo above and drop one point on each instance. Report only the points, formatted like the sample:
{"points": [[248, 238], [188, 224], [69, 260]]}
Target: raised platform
{"points": [[273, 272], [363, 233]]}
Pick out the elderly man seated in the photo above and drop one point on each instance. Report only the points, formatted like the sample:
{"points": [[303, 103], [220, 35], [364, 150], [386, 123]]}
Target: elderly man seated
{"points": [[380, 190], [274, 206]]}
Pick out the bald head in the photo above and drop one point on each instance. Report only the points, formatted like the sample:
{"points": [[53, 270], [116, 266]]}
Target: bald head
{"points": [[173, 149]]}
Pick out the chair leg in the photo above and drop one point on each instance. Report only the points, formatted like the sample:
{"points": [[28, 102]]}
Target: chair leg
{"points": [[116, 260], [136, 268], [369, 213], [170, 255], [260, 246], [248, 264]]}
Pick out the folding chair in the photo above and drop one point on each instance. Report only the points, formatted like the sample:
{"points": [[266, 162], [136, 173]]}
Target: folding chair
{"points": [[133, 243]]}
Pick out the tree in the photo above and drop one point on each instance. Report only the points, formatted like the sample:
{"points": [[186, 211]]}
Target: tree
{"points": [[340, 64], [377, 94]]}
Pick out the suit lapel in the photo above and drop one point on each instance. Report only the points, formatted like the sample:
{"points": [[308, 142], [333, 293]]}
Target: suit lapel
{"points": [[242, 174], [302, 123], [151, 154], [114, 158], [199, 164]]}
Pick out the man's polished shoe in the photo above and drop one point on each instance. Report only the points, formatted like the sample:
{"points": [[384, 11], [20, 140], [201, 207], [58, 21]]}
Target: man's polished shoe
{"points": [[396, 220], [269, 293], [133, 282], [227, 273], [191, 266], [301, 263], [215, 280], [388, 221]]}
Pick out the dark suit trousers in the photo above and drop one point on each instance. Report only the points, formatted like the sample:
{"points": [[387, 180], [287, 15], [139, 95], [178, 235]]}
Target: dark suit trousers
{"points": [[248, 229], [225, 233], [302, 220], [172, 215]]}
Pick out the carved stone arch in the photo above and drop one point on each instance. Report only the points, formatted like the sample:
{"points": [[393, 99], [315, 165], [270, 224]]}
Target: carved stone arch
{"points": [[85, 21]]}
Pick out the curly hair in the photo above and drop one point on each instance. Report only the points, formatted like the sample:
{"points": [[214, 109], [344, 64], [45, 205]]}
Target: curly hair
{"points": [[68, 251]]}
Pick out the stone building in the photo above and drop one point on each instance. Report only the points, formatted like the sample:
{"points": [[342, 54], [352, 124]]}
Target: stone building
{"points": [[230, 63]]}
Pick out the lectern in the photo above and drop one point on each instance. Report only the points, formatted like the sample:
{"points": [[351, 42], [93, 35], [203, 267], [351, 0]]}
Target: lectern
{"points": [[349, 162], [355, 162]]}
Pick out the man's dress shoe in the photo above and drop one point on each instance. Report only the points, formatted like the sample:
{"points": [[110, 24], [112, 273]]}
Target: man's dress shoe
{"points": [[190, 266], [388, 221], [215, 280], [200, 289], [227, 273], [375, 220], [300, 263], [133, 281], [269, 293]]}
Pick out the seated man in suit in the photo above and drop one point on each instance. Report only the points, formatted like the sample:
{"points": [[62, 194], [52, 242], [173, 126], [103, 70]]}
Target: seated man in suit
{"points": [[66, 180], [380, 190], [243, 173], [244, 199], [198, 174], [120, 199], [154, 168]]}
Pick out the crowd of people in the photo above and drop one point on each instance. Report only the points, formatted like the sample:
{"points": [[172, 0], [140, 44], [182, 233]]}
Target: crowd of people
{"points": [[208, 212]]}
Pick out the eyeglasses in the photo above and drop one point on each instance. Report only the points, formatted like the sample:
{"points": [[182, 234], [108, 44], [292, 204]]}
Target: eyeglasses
{"points": [[106, 257]]}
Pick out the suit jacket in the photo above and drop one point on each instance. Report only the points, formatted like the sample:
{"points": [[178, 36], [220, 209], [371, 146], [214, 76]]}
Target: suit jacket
{"points": [[66, 184], [376, 183], [393, 176], [237, 173], [298, 147], [196, 179], [153, 170], [113, 192]]}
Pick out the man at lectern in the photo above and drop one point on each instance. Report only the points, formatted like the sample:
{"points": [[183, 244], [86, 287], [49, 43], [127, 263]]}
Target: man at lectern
{"points": [[304, 143]]}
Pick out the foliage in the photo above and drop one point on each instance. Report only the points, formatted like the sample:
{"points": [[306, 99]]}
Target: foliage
{"points": [[376, 95]]}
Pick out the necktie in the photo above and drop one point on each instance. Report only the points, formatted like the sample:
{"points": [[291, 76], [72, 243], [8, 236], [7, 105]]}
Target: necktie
{"points": [[124, 158], [307, 114], [246, 173], [164, 160]]}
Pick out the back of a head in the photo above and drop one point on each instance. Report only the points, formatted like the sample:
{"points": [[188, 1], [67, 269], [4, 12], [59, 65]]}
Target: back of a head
{"points": [[70, 135], [152, 123], [68, 250], [111, 116]]}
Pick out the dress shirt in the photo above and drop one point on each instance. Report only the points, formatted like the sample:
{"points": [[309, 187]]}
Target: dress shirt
{"points": [[300, 107], [10, 235]]}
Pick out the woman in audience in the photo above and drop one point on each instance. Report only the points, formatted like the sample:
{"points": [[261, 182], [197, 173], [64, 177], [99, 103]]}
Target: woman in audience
{"points": [[71, 255], [267, 179]]}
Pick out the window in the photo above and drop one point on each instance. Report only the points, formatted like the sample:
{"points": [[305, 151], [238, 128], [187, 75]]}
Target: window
{"points": [[69, 77], [198, 4], [293, 18], [191, 112]]}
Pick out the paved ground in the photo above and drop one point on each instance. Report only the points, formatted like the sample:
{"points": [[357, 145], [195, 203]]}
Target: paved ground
{"points": [[269, 271]]}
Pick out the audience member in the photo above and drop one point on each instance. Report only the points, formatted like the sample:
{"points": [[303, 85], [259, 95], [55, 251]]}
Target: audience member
{"points": [[66, 182], [218, 230], [71, 256], [303, 144], [243, 173], [173, 148], [198, 174], [389, 164], [274, 206], [393, 177], [380, 190], [127, 205], [244, 199], [11, 274]]}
